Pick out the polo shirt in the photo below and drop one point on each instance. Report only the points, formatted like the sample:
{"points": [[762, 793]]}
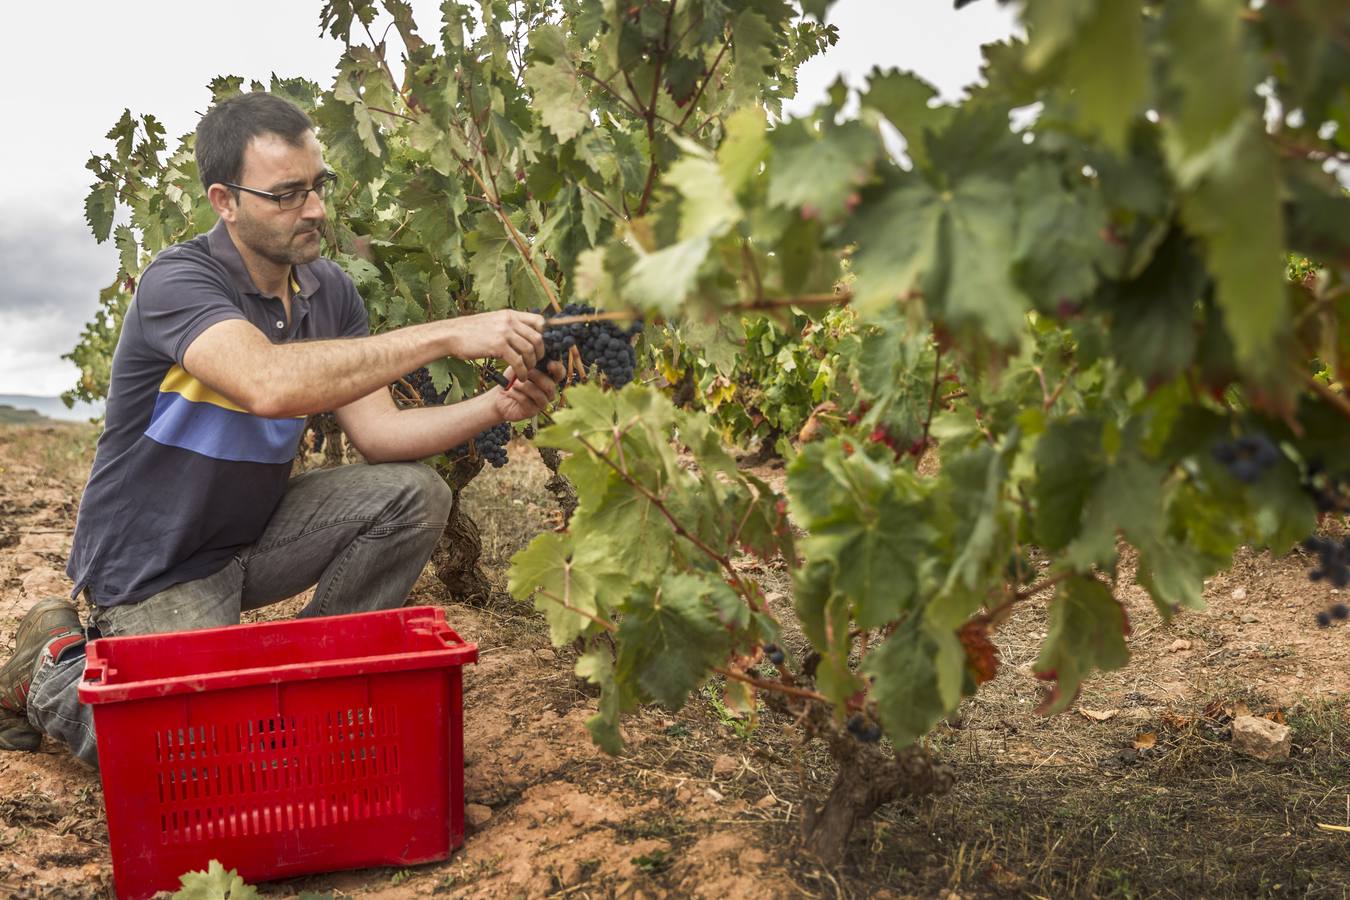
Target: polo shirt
{"points": [[183, 478]]}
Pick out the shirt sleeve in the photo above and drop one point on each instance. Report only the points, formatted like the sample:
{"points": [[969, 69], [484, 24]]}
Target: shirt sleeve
{"points": [[177, 300]]}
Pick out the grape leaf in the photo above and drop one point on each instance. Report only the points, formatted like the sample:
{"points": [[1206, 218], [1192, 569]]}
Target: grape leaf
{"points": [[818, 172], [745, 147], [662, 280], [546, 571], [708, 207], [214, 884], [917, 674], [1068, 466], [99, 206], [559, 98], [752, 56], [905, 100], [1233, 204], [1087, 631], [868, 521], [597, 666], [668, 641], [489, 250], [1099, 47], [1152, 316]]}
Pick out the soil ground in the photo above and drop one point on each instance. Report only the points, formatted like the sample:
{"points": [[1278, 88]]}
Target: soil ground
{"points": [[705, 805]]}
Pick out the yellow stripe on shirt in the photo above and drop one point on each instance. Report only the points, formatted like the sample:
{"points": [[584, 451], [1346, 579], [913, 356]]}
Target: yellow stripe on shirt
{"points": [[179, 381]]}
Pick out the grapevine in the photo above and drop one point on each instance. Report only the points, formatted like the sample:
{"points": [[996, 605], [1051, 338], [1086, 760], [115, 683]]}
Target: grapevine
{"points": [[1103, 328]]}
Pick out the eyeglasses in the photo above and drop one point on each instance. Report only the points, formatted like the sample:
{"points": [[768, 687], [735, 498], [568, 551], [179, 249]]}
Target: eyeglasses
{"points": [[291, 199]]}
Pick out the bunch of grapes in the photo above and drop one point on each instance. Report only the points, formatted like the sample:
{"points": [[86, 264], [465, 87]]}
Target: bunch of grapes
{"points": [[316, 427], [1329, 492], [1334, 557], [490, 444], [420, 381], [1248, 457], [601, 344]]}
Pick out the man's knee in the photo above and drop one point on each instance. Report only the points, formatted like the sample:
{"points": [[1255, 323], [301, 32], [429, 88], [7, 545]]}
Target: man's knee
{"points": [[428, 498]]}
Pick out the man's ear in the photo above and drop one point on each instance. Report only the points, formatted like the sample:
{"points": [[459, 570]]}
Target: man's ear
{"points": [[223, 201]]}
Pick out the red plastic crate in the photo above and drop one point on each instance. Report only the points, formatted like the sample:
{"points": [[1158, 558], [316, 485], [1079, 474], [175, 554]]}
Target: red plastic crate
{"points": [[282, 748]]}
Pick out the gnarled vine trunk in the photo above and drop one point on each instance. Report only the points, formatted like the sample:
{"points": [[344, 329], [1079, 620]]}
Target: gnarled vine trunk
{"points": [[869, 777], [561, 489], [455, 559]]}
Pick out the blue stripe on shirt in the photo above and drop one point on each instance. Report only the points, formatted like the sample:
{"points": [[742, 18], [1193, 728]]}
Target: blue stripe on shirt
{"points": [[221, 433]]}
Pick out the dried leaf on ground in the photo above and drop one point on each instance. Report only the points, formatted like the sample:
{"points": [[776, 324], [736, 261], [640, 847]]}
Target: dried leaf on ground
{"points": [[1098, 715], [1146, 741]]}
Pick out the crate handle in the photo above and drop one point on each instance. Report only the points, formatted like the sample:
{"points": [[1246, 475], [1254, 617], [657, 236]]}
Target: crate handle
{"points": [[437, 627], [97, 672]]}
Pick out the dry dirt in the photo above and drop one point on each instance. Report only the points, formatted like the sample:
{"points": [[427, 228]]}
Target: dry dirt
{"points": [[704, 805]]}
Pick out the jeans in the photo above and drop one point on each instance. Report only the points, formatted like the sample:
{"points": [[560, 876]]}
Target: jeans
{"points": [[362, 533]]}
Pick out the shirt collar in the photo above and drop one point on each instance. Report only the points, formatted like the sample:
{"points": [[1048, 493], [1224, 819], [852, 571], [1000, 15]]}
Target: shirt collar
{"points": [[223, 250]]}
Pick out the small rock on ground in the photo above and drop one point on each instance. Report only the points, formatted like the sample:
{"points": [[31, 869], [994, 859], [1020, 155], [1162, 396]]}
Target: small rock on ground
{"points": [[724, 765], [1261, 738]]}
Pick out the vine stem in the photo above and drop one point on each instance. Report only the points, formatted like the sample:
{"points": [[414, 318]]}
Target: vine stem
{"points": [[842, 298], [777, 686], [932, 397], [515, 236], [610, 88], [610, 206], [649, 113], [1025, 594], [618, 315], [712, 70], [1335, 398], [607, 625]]}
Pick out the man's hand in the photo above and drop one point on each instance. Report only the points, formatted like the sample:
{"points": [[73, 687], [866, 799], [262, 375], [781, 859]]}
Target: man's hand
{"points": [[516, 338], [527, 398]]}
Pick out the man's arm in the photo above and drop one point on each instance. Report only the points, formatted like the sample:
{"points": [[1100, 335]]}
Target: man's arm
{"points": [[301, 378], [384, 433]]}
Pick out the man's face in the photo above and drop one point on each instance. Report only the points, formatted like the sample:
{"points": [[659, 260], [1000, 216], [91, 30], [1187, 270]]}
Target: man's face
{"points": [[272, 164]]}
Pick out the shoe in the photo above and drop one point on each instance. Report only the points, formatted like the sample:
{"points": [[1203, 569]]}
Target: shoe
{"points": [[17, 734], [52, 625]]}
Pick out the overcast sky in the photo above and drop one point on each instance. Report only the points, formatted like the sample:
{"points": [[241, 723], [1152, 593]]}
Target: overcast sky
{"points": [[65, 83]]}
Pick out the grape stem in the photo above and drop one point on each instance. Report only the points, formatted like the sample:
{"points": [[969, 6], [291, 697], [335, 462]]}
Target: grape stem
{"points": [[618, 315]]}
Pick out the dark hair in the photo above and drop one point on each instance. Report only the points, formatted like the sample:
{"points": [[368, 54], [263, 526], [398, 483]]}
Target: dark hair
{"points": [[225, 131]]}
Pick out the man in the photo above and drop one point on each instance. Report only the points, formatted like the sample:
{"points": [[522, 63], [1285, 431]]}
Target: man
{"points": [[233, 338]]}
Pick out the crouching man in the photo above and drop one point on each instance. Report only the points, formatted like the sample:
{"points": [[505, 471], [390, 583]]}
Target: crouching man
{"points": [[190, 515]]}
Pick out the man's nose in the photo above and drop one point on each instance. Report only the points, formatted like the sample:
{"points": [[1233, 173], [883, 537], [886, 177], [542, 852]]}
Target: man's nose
{"points": [[313, 208]]}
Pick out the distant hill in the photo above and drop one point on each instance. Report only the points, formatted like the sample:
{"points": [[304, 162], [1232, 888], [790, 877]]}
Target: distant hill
{"points": [[49, 408], [11, 416]]}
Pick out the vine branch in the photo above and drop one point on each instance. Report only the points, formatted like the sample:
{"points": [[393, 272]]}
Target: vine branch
{"points": [[777, 686]]}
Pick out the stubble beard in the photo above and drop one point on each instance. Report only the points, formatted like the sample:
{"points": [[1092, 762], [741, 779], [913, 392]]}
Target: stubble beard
{"points": [[283, 246]]}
